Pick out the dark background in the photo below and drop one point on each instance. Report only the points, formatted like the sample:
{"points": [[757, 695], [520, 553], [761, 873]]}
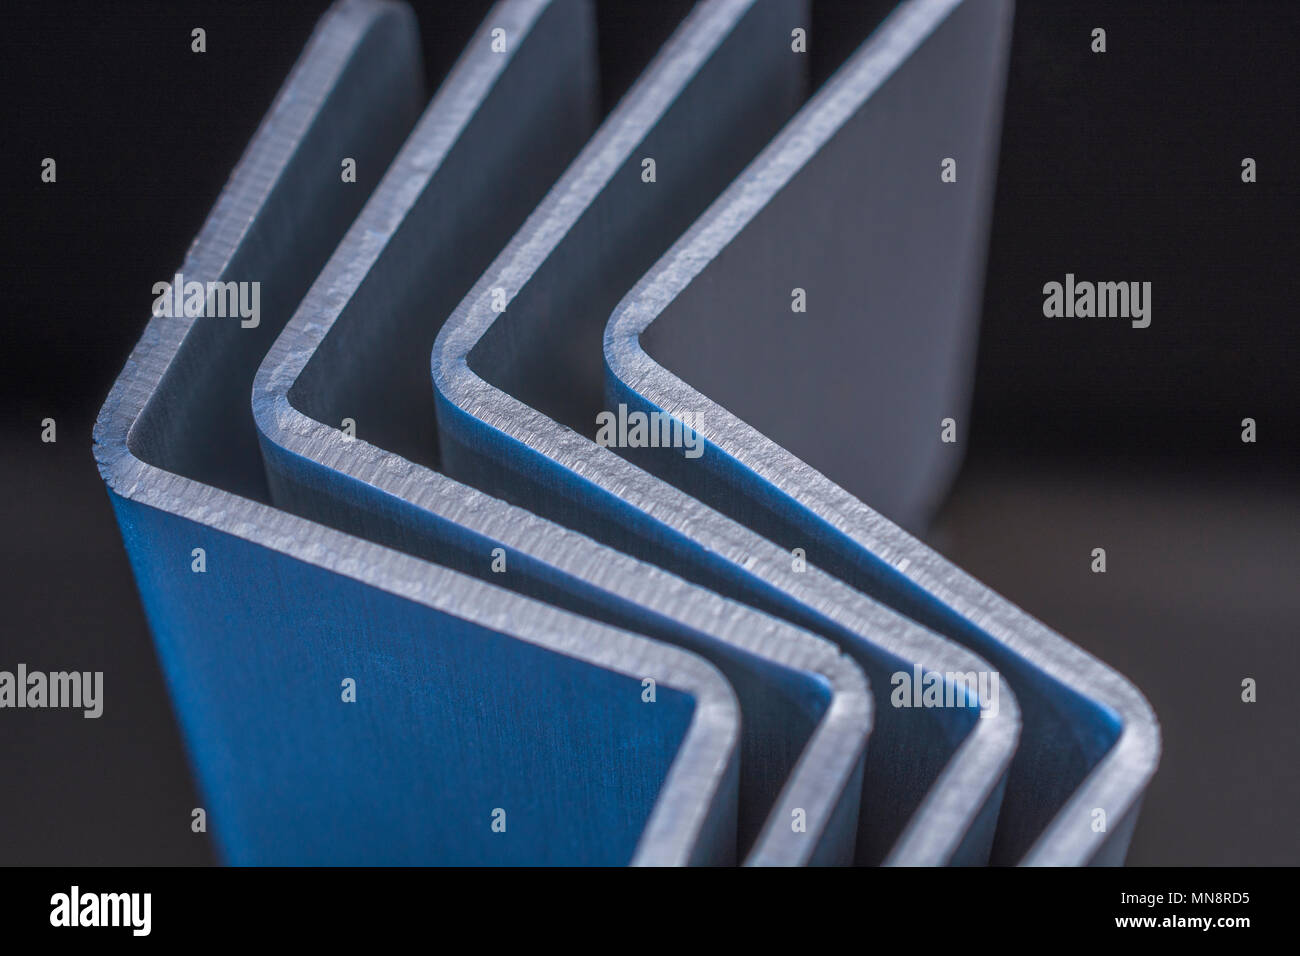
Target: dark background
{"points": [[1084, 433]]}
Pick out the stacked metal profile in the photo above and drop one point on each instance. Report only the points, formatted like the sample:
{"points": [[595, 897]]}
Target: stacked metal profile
{"points": [[505, 643]]}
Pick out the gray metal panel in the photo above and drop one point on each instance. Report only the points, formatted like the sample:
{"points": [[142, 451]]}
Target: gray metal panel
{"points": [[890, 259], [900, 314], [935, 775], [465, 691]]}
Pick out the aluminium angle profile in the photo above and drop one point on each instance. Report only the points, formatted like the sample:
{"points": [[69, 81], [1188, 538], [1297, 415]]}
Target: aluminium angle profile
{"points": [[471, 706], [868, 245], [430, 229], [512, 387]]}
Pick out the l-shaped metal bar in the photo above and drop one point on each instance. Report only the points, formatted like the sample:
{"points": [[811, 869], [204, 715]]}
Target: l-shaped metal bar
{"points": [[342, 702]]}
